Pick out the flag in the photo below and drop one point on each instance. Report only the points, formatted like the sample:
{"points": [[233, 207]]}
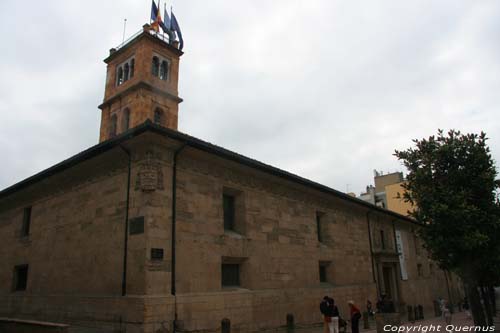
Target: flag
{"points": [[156, 17], [174, 25], [166, 21], [154, 11]]}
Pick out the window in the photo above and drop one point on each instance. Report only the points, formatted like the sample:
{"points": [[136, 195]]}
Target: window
{"points": [[158, 116], [164, 70], [419, 270], [112, 126], [126, 72], [156, 254], [322, 273], [155, 66], [119, 76], [230, 275], [126, 119], [416, 242], [132, 67], [229, 211], [318, 226], [20, 277], [25, 230], [382, 239]]}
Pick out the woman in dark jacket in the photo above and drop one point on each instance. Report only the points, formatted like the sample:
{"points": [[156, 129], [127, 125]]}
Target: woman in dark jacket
{"points": [[355, 317]]}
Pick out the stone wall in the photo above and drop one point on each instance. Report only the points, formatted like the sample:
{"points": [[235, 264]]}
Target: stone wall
{"points": [[75, 250]]}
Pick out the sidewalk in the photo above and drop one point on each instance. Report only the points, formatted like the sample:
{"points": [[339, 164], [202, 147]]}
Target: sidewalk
{"points": [[458, 319], [496, 319]]}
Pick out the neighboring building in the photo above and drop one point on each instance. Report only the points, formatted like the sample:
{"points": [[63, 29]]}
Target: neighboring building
{"points": [[153, 226], [387, 192], [395, 201]]}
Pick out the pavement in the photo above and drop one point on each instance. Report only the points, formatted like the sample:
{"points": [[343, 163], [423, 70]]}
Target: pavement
{"points": [[419, 326], [496, 319], [458, 320]]}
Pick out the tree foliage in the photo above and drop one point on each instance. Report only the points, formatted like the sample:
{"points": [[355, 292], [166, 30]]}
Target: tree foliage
{"points": [[451, 181]]}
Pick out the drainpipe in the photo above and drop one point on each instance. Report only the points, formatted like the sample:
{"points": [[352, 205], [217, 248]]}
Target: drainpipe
{"points": [[371, 250], [125, 247], [174, 200]]}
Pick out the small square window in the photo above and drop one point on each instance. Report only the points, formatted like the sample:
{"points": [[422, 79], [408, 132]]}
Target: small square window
{"points": [[230, 275], [156, 254], [322, 273], [20, 277], [25, 229]]}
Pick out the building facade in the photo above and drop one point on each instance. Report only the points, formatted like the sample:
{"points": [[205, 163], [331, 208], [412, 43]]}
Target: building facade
{"points": [[153, 228]]}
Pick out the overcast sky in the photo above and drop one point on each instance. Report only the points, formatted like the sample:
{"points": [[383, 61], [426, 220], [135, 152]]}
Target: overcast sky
{"points": [[322, 88]]}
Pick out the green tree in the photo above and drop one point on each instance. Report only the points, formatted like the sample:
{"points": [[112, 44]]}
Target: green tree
{"points": [[451, 181]]}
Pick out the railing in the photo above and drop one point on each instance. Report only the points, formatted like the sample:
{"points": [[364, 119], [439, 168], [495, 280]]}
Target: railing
{"points": [[161, 36]]}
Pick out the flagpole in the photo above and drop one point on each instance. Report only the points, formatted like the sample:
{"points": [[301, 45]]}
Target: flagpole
{"points": [[124, 27]]}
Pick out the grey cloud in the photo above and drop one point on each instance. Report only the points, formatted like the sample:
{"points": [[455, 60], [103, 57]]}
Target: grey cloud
{"points": [[325, 89]]}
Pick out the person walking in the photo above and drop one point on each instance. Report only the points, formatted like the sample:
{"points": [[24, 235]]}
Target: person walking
{"points": [[325, 309], [334, 314], [446, 312], [466, 307], [355, 317]]}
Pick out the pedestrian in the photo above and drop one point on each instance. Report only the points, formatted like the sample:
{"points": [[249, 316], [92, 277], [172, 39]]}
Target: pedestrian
{"points": [[369, 308], [355, 317], [324, 308], [446, 312], [334, 314], [466, 308]]}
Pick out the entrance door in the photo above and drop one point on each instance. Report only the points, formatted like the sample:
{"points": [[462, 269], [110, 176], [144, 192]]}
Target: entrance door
{"points": [[388, 282]]}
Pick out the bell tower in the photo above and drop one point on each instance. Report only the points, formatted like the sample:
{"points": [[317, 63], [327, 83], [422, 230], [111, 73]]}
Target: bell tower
{"points": [[141, 83]]}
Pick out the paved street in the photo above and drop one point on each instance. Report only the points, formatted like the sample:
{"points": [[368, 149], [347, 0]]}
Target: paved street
{"points": [[458, 319]]}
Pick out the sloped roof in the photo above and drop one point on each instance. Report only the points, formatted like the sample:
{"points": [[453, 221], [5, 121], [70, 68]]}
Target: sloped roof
{"points": [[196, 143]]}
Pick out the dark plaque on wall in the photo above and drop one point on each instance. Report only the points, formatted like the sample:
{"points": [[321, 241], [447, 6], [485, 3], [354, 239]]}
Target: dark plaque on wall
{"points": [[136, 225]]}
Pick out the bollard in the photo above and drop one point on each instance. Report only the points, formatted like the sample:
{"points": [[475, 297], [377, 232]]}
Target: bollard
{"points": [[366, 323], [411, 318], [290, 325], [225, 326]]}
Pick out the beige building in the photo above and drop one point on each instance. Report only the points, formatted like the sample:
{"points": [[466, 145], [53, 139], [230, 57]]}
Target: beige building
{"points": [[388, 193], [153, 226]]}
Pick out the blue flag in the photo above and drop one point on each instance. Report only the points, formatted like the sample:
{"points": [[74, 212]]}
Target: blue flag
{"points": [[154, 10], [166, 21], [174, 25]]}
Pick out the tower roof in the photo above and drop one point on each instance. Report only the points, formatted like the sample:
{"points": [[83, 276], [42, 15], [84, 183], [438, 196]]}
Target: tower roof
{"points": [[161, 39]]}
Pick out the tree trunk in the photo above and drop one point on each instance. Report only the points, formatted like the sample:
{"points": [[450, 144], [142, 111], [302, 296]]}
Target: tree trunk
{"points": [[475, 303], [487, 305]]}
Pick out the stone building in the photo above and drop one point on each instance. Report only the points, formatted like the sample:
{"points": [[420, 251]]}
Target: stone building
{"points": [[152, 226]]}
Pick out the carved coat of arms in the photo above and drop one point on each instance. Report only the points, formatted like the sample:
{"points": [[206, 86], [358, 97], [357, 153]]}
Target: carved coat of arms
{"points": [[149, 176]]}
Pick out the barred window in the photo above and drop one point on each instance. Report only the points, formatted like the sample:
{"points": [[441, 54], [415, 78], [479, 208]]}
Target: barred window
{"points": [[25, 230], [230, 275], [20, 277]]}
